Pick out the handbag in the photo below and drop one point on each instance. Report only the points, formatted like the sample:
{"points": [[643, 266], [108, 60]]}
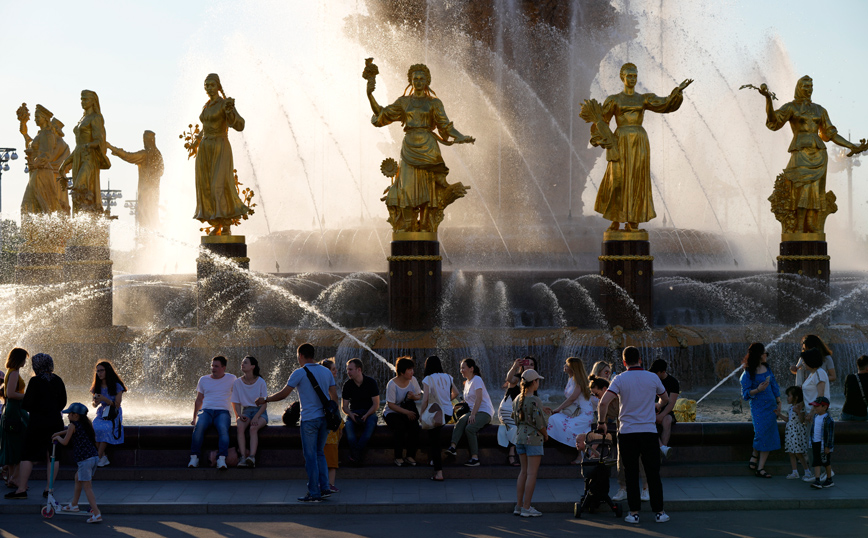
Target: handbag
{"points": [[112, 413], [460, 409], [432, 417], [329, 406], [410, 405]]}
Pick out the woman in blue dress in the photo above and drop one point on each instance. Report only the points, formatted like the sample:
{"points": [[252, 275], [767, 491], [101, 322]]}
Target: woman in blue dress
{"points": [[759, 387], [108, 390]]}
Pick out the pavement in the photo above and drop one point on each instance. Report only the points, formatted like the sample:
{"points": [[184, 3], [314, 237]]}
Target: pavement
{"points": [[390, 496]]}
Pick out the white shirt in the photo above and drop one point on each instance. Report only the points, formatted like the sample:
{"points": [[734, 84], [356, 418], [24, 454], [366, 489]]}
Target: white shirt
{"points": [[441, 385], [396, 394], [470, 388], [216, 391], [809, 387], [818, 428], [802, 369], [637, 391], [246, 395]]}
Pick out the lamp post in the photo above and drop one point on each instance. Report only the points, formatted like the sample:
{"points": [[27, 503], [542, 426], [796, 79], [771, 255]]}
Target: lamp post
{"points": [[131, 205], [110, 199], [5, 157]]}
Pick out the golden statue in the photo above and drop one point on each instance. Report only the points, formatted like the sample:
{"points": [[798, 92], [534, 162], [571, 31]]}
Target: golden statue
{"points": [[150, 164], [62, 153], [217, 198], [625, 193], [800, 200], [88, 157], [42, 152], [419, 192]]}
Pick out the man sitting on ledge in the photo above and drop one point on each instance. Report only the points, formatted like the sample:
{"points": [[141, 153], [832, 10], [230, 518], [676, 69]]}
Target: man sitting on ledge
{"points": [[212, 408], [361, 399], [665, 413]]}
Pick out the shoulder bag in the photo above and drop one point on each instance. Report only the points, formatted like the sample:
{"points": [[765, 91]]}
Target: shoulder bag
{"points": [[332, 413]]}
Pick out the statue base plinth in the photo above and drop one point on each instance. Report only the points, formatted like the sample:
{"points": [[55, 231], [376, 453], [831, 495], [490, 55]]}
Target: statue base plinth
{"points": [[415, 285], [222, 291], [37, 279], [629, 265], [87, 270], [802, 264], [623, 235]]}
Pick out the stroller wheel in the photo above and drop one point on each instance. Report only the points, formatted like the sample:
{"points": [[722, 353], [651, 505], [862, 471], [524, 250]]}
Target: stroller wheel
{"points": [[577, 510], [618, 510], [47, 512]]}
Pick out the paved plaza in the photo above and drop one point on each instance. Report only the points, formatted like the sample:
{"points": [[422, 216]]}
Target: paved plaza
{"points": [[380, 496]]}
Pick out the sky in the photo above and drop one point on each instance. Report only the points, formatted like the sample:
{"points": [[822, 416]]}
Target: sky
{"points": [[145, 61]]}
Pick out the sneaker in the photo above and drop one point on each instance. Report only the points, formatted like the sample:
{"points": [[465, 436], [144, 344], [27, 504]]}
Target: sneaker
{"points": [[817, 484], [94, 518], [645, 496], [333, 488], [793, 475], [452, 451], [621, 495], [242, 462], [662, 517], [251, 462], [809, 477], [823, 476], [15, 495], [309, 499], [632, 518], [103, 461], [828, 483], [517, 510], [472, 463], [530, 512], [221, 463], [665, 451], [194, 461], [326, 493]]}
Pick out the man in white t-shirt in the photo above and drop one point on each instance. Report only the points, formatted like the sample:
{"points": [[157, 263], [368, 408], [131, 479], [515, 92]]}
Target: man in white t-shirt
{"points": [[638, 391], [212, 408]]}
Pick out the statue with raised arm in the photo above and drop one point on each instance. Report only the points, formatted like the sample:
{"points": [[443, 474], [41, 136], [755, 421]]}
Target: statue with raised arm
{"points": [[62, 153], [800, 200], [88, 157], [150, 164], [625, 192], [42, 151], [419, 191], [217, 197]]}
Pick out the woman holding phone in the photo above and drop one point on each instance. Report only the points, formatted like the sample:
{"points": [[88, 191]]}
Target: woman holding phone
{"points": [[507, 431]]}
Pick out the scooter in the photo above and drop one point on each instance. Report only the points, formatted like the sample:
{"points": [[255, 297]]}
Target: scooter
{"points": [[52, 506]]}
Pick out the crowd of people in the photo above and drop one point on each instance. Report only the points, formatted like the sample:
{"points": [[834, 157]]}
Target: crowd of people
{"points": [[636, 406]]}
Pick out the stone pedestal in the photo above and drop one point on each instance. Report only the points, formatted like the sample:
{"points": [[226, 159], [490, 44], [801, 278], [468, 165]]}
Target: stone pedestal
{"points": [[627, 262], [223, 292], [415, 282], [87, 270], [803, 263]]}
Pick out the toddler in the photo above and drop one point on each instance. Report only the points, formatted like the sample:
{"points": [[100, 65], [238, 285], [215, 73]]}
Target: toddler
{"points": [[80, 433], [822, 441], [796, 442]]}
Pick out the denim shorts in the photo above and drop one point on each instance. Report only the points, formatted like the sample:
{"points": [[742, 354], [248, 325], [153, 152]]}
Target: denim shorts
{"points": [[86, 468], [250, 411], [529, 450]]}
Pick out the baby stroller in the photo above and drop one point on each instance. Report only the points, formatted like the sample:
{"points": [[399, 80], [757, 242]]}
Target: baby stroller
{"points": [[599, 458]]}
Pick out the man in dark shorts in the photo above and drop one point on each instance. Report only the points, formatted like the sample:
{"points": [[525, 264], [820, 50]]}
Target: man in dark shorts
{"points": [[665, 413]]}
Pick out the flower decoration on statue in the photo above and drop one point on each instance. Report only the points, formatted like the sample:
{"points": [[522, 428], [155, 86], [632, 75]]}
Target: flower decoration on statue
{"points": [[247, 195], [191, 140], [389, 167]]}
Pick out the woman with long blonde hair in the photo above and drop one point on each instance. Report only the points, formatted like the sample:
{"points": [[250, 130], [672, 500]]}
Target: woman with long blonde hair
{"points": [[576, 414]]}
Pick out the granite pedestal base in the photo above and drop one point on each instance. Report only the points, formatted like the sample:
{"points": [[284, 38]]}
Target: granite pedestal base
{"points": [[415, 285], [223, 292], [803, 279], [628, 264]]}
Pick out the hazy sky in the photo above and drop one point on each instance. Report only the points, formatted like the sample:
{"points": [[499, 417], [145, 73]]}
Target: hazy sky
{"points": [[136, 54]]}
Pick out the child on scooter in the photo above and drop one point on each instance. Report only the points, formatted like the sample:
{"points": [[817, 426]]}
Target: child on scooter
{"points": [[80, 433]]}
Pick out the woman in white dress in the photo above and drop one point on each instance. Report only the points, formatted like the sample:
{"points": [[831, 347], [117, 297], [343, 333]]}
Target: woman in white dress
{"points": [[576, 414]]}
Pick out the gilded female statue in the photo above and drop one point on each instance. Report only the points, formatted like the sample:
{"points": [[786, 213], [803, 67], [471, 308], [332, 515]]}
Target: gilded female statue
{"points": [[802, 205], [41, 194], [88, 157], [625, 192], [150, 165], [217, 200], [420, 192], [62, 153]]}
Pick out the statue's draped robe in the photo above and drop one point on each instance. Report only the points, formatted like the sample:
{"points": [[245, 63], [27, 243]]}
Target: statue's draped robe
{"points": [[41, 194], [216, 193]]}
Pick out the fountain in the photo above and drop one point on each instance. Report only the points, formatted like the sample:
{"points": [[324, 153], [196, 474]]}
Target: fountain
{"points": [[515, 266]]}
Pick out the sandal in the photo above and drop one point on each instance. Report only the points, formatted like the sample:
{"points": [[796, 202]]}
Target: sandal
{"points": [[762, 473], [435, 479], [512, 459], [752, 463], [399, 463], [69, 508], [410, 461]]}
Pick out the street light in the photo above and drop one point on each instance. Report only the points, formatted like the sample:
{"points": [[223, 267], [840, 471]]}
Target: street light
{"points": [[110, 199], [131, 205], [5, 157]]}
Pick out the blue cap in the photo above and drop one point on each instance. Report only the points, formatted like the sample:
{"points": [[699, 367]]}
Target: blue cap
{"points": [[77, 408]]}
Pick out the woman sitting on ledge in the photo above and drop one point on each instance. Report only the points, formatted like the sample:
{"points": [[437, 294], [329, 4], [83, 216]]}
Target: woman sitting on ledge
{"points": [[477, 398], [400, 414]]}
